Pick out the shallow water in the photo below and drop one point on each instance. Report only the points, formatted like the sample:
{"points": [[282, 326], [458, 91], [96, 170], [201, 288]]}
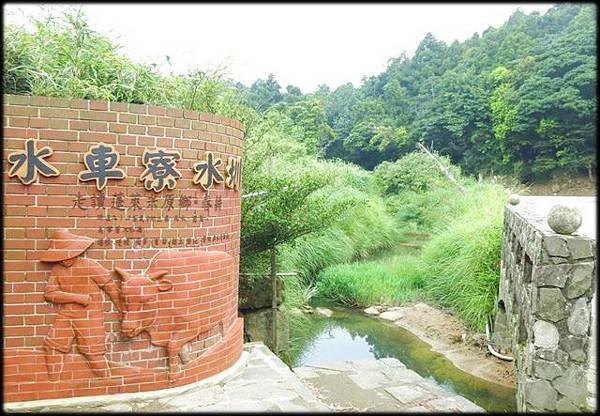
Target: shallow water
{"points": [[349, 335]]}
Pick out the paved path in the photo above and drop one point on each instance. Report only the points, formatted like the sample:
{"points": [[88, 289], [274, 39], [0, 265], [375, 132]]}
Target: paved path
{"points": [[266, 384], [261, 382], [379, 386]]}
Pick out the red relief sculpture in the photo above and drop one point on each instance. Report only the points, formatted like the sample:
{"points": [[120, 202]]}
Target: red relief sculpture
{"points": [[181, 296], [75, 284], [185, 302]]}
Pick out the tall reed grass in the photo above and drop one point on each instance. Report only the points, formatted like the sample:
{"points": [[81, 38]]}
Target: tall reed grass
{"points": [[458, 268], [463, 258], [365, 228], [62, 56]]}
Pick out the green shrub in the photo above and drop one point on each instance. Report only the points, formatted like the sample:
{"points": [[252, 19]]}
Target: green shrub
{"points": [[415, 172], [423, 211]]}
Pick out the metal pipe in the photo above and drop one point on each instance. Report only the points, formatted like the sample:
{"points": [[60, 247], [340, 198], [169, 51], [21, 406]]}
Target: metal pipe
{"points": [[490, 349]]}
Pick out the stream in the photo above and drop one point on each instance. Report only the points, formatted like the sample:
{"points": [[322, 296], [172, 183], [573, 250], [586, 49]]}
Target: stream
{"points": [[350, 334]]}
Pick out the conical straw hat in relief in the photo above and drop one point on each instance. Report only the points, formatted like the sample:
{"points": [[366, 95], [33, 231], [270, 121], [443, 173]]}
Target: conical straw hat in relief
{"points": [[66, 245]]}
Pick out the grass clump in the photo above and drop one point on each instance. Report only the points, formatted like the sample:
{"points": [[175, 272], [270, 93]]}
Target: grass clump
{"points": [[417, 193], [463, 257], [392, 281]]}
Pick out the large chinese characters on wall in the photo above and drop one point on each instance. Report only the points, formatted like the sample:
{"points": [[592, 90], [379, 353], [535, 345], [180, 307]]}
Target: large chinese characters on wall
{"points": [[122, 227]]}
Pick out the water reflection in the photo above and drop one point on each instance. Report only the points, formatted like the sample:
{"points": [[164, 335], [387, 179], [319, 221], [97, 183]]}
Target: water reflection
{"points": [[351, 335]]}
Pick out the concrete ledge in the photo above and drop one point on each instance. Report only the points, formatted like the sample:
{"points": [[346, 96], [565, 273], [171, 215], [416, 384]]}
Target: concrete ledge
{"points": [[104, 400]]}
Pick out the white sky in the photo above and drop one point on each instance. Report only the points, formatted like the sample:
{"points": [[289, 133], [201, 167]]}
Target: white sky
{"points": [[301, 44]]}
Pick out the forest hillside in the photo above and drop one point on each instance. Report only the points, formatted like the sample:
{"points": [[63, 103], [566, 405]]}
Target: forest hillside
{"points": [[518, 100]]}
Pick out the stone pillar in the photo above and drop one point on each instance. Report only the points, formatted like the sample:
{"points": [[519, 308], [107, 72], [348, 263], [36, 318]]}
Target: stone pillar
{"points": [[256, 305], [547, 285]]}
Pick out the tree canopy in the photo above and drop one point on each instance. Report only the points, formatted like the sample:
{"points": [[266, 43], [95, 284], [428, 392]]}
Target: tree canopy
{"points": [[518, 100]]}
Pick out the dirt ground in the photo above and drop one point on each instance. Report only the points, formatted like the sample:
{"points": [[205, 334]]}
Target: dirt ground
{"points": [[563, 185], [447, 335]]}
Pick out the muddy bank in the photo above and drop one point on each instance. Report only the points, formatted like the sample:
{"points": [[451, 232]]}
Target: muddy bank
{"points": [[448, 336]]}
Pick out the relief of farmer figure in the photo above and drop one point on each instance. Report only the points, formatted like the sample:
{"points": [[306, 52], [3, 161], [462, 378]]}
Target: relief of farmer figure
{"points": [[75, 284]]}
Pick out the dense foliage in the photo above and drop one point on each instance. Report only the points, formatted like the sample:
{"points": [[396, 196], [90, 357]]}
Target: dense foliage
{"points": [[412, 172], [459, 264], [517, 100]]}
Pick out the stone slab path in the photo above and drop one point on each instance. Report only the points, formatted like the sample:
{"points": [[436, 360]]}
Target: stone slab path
{"points": [[261, 382], [266, 384], [383, 385]]}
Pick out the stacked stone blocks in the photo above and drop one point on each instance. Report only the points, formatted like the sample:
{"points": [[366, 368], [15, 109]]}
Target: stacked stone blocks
{"points": [[545, 301]]}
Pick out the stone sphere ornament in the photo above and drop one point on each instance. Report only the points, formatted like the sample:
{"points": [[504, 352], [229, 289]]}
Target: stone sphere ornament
{"points": [[514, 199], [563, 219]]}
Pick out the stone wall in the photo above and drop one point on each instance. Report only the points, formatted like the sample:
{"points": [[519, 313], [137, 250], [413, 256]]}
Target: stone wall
{"points": [[544, 308], [132, 219]]}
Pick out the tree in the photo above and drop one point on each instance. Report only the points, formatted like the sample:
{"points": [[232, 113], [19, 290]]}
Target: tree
{"points": [[292, 94], [309, 115], [264, 93]]}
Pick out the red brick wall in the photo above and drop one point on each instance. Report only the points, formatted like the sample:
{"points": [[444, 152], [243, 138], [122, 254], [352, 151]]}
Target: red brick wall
{"points": [[33, 212]]}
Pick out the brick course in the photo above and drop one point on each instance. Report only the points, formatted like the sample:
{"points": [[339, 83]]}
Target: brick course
{"points": [[32, 213]]}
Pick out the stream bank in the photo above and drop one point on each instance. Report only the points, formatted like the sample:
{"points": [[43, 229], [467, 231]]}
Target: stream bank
{"points": [[348, 335], [449, 336]]}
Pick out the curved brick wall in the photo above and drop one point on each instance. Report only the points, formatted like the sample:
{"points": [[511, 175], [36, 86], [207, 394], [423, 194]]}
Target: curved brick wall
{"points": [[130, 226]]}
